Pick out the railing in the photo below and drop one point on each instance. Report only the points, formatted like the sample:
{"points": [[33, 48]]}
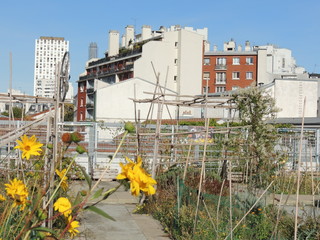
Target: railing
{"points": [[106, 73], [90, 105], [120, 55], [221, 67], [221, 81], [90, 90]]}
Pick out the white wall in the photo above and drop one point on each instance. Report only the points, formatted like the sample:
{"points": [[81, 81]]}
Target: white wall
{"points": [[113, 102], [289, 95], [161, 55], [190, 63]]}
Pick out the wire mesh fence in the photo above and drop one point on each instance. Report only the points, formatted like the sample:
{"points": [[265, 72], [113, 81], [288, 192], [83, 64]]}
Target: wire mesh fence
{"points": [[176, 145]]}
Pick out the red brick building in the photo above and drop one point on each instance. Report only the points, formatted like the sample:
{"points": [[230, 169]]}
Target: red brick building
{"points": [[229, 69]]}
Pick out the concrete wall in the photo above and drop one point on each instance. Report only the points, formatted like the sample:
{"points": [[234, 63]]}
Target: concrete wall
{"points": [[113, 103], [189, 67], [289, 95]]}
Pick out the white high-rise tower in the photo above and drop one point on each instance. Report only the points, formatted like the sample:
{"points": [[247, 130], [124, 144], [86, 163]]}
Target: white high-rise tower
{"points": [[48, 52]]}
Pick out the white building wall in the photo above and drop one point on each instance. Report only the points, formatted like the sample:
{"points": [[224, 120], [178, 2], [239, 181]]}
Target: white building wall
{"points": [[161, 54], [289, 95], [114, 102]]}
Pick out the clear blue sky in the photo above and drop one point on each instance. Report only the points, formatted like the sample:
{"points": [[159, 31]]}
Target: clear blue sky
{"points": [[291, 24]]}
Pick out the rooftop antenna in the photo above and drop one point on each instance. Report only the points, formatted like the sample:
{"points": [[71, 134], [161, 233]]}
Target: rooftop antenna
{"points": [[314, 68]]}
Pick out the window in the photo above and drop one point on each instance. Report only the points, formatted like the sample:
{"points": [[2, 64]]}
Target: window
{"points": [[81, 102], [236, 61], [249, 75], [221, 61], [206, 76], [206, 61], [249, 60], [283, 62], [176, 44], [236, 75], [175, 78], [220, 89], [81, 87], [175, 61], [205, 89], [220, 78]]}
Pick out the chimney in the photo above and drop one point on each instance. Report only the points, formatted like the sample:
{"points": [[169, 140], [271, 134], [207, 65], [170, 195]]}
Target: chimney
{"points": [[146, 32], [123, 41], [215, 48], [113, 43], [239, 48], [247, 47], [129, 36]]}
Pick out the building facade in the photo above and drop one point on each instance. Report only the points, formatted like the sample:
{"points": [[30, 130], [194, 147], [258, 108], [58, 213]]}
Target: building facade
{"points": [[175, 53], [48, 52], [238, 67], [229, 69]]}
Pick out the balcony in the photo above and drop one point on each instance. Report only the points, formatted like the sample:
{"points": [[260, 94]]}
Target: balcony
{"points": [[125, 54], [221, 81], [106, 73], [90, 90], [90, 105], [221, 67]]}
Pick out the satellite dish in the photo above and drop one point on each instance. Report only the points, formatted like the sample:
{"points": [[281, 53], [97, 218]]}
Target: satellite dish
{"points": [[64, 77]]}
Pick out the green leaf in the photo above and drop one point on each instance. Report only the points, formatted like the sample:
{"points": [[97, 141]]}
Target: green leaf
{"points": [[109, 192], [86, 176], [44, 229], [78, 199], [97, 193], [100, 212]]}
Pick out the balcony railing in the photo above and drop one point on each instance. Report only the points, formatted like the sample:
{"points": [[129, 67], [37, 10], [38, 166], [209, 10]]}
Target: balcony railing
{"points": [[126, 53], [221, 67], [90, 90], [89, 105], [221, 81], [105, 73]]}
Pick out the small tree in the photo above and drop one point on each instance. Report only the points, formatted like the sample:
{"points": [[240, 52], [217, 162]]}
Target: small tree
{"points": [[17, 112], [68, 112], [255, 106]]}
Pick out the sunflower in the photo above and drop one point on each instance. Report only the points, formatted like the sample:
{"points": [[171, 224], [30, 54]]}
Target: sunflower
{"points": [[63, 205], [63, 179], [29, 146], [72, 227], [139, 179], [17, 191]]}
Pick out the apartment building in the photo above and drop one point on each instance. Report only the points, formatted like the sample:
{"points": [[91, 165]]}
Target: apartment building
{"points": [[238, 67], [48, 52], [132, 63], [229, 69]]}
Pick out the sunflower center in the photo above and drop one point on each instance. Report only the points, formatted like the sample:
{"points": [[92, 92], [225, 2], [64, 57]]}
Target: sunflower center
{"points": [[27, 148]]}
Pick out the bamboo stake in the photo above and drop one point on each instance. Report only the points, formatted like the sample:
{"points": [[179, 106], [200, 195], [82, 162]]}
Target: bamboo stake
{"points": [[298, 174], [249, 210], [230, 198], [201, 175], [312, 184], [186, 166]]}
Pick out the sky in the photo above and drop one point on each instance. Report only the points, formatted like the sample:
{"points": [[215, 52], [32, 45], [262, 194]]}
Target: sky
{"points": [[291, 24]]}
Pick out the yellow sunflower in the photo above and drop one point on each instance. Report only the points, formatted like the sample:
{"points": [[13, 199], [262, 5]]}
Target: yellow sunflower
{"points": [[63, 205], [72, 227], [29, 146], [17, 191], [63, 178], [139, 179]]}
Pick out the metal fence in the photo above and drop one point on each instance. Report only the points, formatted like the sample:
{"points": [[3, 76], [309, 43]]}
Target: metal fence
{"points": [[176, 144]]}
